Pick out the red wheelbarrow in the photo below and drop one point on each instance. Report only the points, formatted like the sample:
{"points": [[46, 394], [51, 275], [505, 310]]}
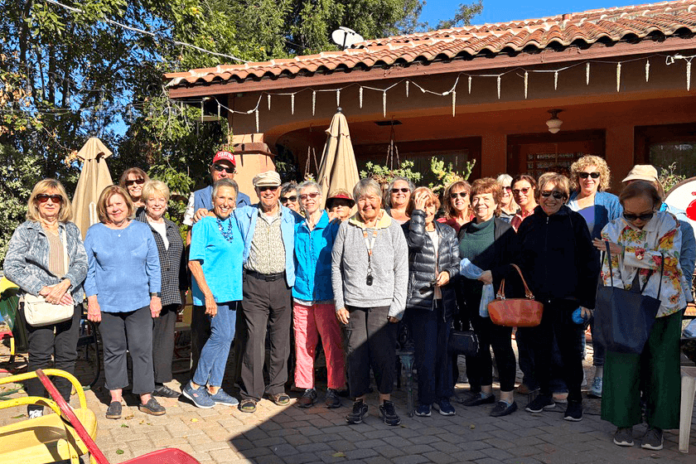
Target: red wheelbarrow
{"points": [[165, 456]]}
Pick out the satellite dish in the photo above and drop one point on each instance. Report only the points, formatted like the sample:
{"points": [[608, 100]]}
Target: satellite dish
{"points": [[345, 37]]}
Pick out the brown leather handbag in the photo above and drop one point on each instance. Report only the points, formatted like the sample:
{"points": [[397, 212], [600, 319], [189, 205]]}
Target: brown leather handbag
{"points": [[515, 312]]}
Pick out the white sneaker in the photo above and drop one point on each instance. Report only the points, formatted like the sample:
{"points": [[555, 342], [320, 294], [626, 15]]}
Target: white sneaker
{"points": [[35, 413], [596, 390]]}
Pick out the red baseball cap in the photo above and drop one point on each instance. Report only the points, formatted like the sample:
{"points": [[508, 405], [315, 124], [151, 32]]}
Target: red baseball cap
{"points": [[224, 156]]}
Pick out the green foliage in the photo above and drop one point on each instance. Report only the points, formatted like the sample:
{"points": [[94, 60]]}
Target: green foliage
{"points": [[669, 177], [465, 13], [384, 175], [447, 175]]}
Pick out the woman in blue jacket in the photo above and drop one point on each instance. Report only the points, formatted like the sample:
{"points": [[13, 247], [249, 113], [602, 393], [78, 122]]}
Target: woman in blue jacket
{"points": [[590, 178], [314, 314]]}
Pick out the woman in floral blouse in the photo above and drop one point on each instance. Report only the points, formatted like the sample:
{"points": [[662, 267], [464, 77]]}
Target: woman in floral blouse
{"points": [[639, 242]]}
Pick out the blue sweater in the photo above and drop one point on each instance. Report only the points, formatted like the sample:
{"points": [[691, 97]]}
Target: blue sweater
{"points": [[606, 207], [313, 259], [124, 267]]}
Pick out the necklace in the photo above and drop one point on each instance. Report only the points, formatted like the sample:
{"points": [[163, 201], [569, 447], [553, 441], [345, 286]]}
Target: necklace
{"points": [[226, 233]]}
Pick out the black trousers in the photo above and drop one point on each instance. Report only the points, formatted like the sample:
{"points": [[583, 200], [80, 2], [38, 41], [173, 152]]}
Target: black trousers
{"points": [[370, 342], [59, 341], [500, 339], [200, 332], [266, 307], [132, 332], [462, 321], [163, 343], [557, 320]]}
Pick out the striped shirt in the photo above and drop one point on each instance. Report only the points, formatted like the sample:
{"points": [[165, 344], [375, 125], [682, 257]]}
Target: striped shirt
{"points": [[267, 253]]}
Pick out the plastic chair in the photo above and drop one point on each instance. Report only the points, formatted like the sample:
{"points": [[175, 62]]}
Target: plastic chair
{"points": [[168, 456], [688, 391], [48, 438]]}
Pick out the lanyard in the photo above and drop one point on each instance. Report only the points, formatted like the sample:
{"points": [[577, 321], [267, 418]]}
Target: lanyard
{"points": [[370, 245]]}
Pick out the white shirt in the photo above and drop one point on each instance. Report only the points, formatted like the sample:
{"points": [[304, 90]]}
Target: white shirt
{"points": [[160, 228]]}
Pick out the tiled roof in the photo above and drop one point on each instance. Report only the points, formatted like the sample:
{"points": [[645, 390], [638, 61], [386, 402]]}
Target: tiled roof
{"points": [[584, 29]]}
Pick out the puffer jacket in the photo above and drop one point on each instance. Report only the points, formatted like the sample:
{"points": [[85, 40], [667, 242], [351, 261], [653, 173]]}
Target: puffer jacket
{"points": [[421, 263]]}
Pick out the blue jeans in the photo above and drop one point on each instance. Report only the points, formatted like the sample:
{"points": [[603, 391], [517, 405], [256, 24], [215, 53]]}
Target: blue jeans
{"points": [[211, 365]]}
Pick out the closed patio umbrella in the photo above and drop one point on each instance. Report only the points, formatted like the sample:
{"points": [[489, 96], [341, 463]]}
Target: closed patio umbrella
{"points": [[93, 179], [338, 169]]}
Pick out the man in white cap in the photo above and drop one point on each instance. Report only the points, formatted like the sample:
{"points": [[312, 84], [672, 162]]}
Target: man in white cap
{"points": [[687, 257], [268, 229]]}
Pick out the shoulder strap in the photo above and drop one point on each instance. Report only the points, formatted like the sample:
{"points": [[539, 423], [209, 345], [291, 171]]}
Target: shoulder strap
{"points": [[527, 292]]}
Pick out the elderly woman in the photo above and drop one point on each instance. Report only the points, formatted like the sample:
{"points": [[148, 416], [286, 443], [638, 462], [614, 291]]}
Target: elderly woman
{"points": [[133, 180], [314, 314], [457, 205], [640, 242], [288, 196], [123, 287], [590, 178], [369, 274], [170, 247], [561, 267], [434, 258], [398, 199], [339, 204], [523, 191], [216, 244], [46, 258], [488, 242], [508, 207]]}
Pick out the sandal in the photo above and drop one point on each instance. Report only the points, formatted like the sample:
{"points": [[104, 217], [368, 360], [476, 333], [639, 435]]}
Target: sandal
{"points": [[280, 399], [248, 406]]}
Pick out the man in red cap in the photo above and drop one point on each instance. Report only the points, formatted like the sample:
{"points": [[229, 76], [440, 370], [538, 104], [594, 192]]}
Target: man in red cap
{"points": [[200, 202]]}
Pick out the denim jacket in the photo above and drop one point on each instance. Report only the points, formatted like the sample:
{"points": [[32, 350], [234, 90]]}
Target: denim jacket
{"points": [[607, 208], [246, 217], [687, 257], [313, 259], [26, 262]]}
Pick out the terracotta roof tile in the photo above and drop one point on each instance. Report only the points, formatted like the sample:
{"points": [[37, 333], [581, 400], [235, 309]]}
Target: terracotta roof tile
{"points": [[591, 26]]}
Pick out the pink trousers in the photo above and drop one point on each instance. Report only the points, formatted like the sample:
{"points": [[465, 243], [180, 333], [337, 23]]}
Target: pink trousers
{"points": [[310, 323]]}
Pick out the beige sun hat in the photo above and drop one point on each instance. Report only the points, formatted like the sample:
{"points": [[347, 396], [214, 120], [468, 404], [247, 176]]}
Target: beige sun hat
{"points": [[645, 172], [267, 179]]}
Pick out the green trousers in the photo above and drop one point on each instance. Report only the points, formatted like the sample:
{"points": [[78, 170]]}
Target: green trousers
{"points": [[655, 372]]}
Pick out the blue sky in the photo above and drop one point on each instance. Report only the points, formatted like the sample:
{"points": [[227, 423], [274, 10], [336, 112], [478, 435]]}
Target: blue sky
{"points": [[505, 10]]}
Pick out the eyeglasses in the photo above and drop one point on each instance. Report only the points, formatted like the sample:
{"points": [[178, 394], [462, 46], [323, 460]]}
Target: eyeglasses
{"points": [[133, 182], [523, 191], [507, 188], [402, 190], [263, 189], [287, 199], [635, 217], [557, 195], [454, 196], [311, 195], [220, 168], [585, 175], [43, 198]]}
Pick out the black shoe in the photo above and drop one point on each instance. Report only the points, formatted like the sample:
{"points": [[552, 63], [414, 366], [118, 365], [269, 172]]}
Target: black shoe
{"points": [[308, 398], [652, 439], [573, 412], [153, 408], [478, 400], [164, 391], [332, 400], [114, 411], [389, 413], [624, 436], [359, 411], [503, 409], [540, 403]]}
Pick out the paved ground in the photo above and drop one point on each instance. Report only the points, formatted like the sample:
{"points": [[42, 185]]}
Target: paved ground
{"points": [[290, 435]]}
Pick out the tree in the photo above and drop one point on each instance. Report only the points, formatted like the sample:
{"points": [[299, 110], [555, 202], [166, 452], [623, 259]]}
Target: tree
{"points": [[465, 13]]}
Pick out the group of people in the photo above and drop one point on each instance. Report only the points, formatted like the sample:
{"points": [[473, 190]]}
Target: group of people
{"points": [[350, 269]]}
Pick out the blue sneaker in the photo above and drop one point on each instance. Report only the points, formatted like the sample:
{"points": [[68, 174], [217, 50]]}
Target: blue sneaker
{"points": [[221, 397], [445, 407], [199, 396], [596, 390], [423, 410]]}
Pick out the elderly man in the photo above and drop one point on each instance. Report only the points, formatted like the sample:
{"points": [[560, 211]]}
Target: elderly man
{"points": [[269, 274], [200, 203]]}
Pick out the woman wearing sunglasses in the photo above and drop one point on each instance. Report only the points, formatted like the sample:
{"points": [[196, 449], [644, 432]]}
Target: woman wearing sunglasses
{"points": [[46, 257], [132, 181], [398, 199], [639, 242], [561, 267], [457, 205], [590, 178], [524, 192]]}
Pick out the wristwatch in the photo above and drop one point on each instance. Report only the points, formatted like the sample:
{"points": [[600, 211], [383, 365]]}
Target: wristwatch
{"points": [[153, 294]]}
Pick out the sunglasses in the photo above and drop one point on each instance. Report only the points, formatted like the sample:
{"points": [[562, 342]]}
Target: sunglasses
{"points": [[220, 168], [556, 195], [523, 191], [286, 199], [454, 196], [402, 190], [507, 188], [311, 195], [585, 175], [133, 182], [263, 189], [43, 198], [635, 217]]}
